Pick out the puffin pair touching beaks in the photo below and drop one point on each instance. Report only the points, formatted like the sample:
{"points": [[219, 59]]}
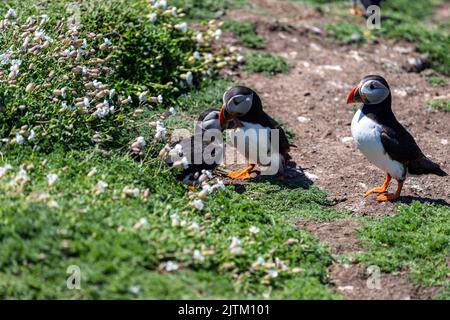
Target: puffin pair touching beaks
{"points": [[242, 111], [383, 140]]}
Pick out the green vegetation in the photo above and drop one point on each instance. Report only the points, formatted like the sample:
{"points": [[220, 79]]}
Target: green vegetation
{"points": [[207, 9], [437, 81], [346, 33], [403, 20], [439, 104], [266, 62], [246, 32], [415, 239]]}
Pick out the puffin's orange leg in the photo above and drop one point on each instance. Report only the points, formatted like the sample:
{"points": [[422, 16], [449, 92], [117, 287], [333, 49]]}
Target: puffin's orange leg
{"points": [[355, 10], [381, 189], [386, 197], [242, 174]]}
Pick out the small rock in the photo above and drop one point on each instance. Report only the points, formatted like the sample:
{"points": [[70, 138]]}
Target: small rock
{"points": [[346, 139], [303, 119], [444, 142]]}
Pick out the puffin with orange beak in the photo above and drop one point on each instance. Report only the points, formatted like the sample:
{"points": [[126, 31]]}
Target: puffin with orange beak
{"points": [[383, 140], [242, 111]]}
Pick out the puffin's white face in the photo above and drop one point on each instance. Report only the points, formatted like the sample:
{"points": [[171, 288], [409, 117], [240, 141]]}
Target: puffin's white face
{"points": [[211, 121], [373, 92], [239, 105]]}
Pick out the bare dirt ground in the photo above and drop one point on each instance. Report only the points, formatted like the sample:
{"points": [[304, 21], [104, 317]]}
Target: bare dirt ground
{"points": [[310, 100]]}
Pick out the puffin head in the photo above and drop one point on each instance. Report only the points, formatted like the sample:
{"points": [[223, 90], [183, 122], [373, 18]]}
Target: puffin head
{"points": [[237, 102], [372, 90], [207, 120]]}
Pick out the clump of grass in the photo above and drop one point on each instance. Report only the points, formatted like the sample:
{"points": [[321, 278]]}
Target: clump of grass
{"points": [[246, 32], [266, 63], [439, 104], [437, 81], [345, 33], [415, 239], [207, 9]]}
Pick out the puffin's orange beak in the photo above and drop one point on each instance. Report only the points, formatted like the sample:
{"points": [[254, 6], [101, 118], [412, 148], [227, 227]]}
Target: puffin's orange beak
{"points": [[353, 95], [222, 116]]}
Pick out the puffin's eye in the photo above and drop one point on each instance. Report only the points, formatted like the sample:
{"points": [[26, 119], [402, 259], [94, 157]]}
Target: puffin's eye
{"points": [[371, 86]]}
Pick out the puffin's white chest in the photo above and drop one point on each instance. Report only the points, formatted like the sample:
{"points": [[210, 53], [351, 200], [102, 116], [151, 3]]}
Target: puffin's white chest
{"points": [[252, 140], [367, 136]]}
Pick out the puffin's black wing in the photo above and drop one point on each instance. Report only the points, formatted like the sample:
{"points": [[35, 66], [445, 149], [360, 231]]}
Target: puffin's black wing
{"points": [[368, 3], [266, 121], [401, 146], [203, 115]]}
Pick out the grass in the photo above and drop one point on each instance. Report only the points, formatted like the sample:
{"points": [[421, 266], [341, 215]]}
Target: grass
{"points": [[246, 33], [415, 239], [267, 63], [346, 33], [439, 104], [437, 81], [44, 229], [405, 20], [207, 9]]}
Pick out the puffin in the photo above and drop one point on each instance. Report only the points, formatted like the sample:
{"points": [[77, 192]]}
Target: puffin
{"points": [[182, 154], [383, 140], [366, 4], [242, 111]]}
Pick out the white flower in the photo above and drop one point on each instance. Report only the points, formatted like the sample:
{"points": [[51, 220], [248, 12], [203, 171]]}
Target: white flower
{"points": [[198, 256], [84, 44], [199, 38], [194, 226], [32, 135], [197, 55], [172, 111], [22, 175], [189, 78], [4, 169], [220, 184], [260, 261], [207, 188], [160, 99], [153, 17], [272, 273], [135, 192], [112, 94], [143, 96], [235, 246], [161, 4], [171, 266], [102, 112], [51, 178], [11, 14], [218, 33], [174, 11], [160, 128], [183, 27], [107, 41], [208, 57], [86, 102], [175, 220], [134, 290], [198, 204], [101, 186], [143, 221], [141, 141], [53, 204], [19, 138], [253, 229]]}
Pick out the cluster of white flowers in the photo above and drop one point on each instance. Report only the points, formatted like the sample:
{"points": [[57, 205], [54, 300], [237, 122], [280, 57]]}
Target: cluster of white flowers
{"points": [[235, 246]]}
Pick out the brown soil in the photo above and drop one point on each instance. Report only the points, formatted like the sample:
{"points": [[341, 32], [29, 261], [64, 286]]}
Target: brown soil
{"points": [[322, 74]]}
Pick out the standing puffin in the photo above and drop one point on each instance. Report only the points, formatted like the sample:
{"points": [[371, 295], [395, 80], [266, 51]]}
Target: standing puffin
{"points": [[383, 140], [243, 109], [184, 153]]}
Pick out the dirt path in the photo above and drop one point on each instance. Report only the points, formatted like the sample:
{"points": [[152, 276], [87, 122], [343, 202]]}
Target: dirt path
{"points": [[311, 102]]}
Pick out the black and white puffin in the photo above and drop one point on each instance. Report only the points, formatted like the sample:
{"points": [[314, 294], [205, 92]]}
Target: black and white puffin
{"points": [[189, 154], [242, 107], [366, 4], [383, 140]]}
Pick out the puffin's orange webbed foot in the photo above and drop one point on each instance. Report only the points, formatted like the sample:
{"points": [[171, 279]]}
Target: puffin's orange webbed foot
{"points": [[381, 189], [357, 12], [241, 174], [375, 190], [386, 197]]}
